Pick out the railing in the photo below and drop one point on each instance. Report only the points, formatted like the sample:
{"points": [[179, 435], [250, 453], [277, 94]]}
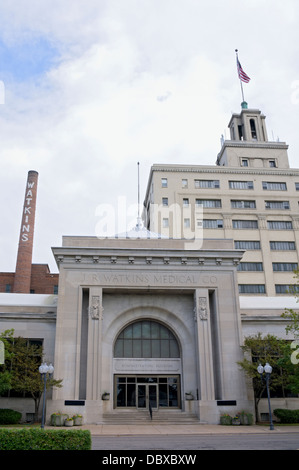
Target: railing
{"points": [[150, 409]]}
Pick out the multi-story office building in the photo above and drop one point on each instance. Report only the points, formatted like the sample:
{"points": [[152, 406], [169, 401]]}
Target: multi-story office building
{"points": [[250, 195], [142, 322]]}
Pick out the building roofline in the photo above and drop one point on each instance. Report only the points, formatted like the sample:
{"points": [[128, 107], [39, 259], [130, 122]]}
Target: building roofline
{"points": [[251, 144], [28, 300], [247, 111]]}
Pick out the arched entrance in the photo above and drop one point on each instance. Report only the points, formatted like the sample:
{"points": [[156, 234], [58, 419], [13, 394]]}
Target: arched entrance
{"points": [[148, 353]]}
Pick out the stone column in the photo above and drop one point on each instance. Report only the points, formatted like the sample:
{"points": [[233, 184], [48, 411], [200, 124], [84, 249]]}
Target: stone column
{"points": [[205, 353], [94, 344]]}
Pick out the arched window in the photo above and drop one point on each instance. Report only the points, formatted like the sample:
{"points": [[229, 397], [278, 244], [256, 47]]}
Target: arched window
{"points": [[144, 339], [253, 129]]}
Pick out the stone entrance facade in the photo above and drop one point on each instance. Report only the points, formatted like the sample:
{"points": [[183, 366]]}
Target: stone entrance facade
{"points": [[144, 323]]}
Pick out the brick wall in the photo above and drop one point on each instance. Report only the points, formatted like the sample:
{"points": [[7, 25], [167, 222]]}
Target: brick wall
{"points": [[42, 281], [6, 282]]}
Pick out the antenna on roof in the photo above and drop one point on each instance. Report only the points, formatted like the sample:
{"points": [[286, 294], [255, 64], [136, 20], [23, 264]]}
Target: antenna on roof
{"points": [[138, 218]]}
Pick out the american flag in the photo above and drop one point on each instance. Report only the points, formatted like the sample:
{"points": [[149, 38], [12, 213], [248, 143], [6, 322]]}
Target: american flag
{"points": [[241, 73]]}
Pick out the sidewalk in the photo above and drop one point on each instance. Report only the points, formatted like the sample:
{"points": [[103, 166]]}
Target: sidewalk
{"points": [[152, 429]]}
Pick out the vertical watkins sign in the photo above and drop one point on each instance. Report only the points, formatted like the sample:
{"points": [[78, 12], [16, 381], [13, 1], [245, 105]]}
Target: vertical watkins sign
{"points": [[26, 222], [23, 267]]}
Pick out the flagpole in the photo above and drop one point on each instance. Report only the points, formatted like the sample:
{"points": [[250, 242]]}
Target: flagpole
{"points": [[236, 50], [138, 209]]}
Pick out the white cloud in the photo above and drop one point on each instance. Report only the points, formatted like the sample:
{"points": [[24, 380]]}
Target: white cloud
{"points": [[146, 81]]}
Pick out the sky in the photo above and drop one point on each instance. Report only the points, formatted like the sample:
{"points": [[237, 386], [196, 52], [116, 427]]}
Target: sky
{"points": [[90, 88]]}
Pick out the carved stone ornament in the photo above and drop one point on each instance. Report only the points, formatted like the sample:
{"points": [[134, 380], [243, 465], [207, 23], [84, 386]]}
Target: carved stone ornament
{"points": [[201, 310], [95, 308]]}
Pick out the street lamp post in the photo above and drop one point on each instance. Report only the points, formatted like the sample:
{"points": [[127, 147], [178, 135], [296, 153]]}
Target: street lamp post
{"points": [[267, 369], [45, 369]]}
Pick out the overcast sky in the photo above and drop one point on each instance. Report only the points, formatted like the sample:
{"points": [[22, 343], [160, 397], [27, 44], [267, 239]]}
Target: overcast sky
{"points": [[89, 88]]}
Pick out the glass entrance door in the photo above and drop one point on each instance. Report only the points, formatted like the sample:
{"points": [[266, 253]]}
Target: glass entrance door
{"points": [[146, 396], [162, 391]]}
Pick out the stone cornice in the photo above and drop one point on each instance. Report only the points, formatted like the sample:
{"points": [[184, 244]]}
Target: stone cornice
{"points": [[122, 258], [227, 170], [28, 316], [262, 318], [270, 145], [254, 144]]}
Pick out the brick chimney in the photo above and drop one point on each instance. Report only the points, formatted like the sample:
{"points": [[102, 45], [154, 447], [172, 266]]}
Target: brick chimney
{"points": [[24, 259]]}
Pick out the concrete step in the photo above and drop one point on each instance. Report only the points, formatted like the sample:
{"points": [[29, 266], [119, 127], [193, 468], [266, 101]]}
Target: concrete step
{"points": [[143, 417]]}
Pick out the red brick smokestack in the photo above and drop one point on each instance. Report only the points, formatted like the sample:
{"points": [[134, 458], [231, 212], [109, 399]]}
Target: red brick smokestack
{"points": [[24, 259]]}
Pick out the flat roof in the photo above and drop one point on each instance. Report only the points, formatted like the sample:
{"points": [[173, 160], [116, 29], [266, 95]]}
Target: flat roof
{"points": [[263, 303], [33, 300]]}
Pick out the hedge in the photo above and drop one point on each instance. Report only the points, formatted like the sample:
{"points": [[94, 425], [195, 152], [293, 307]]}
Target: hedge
{"points": [[8, 416], [44, 439], [287, 416]]}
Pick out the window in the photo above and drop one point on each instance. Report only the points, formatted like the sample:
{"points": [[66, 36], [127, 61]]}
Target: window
{"points": [[165, 223], [146, 339], [211, 203], [277, 205], [247, 245], [184, 183], [297, 186], [273, 186], [206, 184], [244, 162], [245, 224], [164, 182], [286, 289], [240, 131], [164, 201], [186, 202], [285, 266], [253, 129], [55, 290], [240, 184], [239, 204], [212, 223], [282, 245], [279, 225], [252, 289], [272, 163], [8, 288], [250, 266], [186, 223]]}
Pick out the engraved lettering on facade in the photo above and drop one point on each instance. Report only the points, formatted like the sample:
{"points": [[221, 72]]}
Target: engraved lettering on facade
{"points": [[147, 366], [148, 279]]}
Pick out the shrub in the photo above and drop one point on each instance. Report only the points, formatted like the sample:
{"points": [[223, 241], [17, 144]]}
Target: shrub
{"points": [[287, 416], [225, 419], [8, 416], [44, 439]]}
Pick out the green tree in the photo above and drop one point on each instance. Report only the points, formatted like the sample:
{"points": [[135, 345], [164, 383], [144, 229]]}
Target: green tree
{"points": [[5, 373], [258, 349], [290, 361], [23, 362], [289, 313]]}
